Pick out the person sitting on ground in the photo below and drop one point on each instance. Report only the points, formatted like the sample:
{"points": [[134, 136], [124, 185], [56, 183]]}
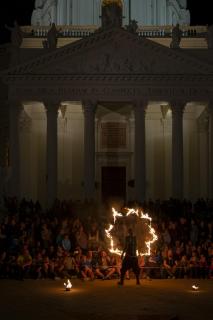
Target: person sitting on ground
{"points": [[194, 265], [182, 267], [169, 265], [153, 265], [116, 262], [66, 243], [105, 270], [93, 237], [24, 262], [86, 267]]}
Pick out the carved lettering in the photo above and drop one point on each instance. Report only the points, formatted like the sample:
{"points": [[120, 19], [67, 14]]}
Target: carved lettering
{"points": [[109, 92]]}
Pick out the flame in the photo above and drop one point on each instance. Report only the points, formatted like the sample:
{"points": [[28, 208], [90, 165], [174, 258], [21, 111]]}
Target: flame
{"points": [[195, 287], [116, 214], [141, 215], [68, 284]]}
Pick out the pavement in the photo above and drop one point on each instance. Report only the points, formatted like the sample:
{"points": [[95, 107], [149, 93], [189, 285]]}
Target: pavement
{"points": [[91, 300]]}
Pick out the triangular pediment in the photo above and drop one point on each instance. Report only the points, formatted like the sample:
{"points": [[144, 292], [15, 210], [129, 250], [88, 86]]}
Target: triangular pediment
{"points": [[114, 51]]}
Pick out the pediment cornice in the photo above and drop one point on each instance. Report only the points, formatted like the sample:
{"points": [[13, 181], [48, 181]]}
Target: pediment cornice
{"points": [[113, 52]]}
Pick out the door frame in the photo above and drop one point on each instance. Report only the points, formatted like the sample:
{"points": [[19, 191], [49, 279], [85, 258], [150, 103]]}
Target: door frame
{"points": [[113, 159]]}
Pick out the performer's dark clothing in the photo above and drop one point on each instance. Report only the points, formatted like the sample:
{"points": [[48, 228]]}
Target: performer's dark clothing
{"points": [[130, 260]]}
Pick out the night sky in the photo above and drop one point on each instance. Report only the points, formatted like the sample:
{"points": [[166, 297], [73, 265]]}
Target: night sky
{"points": [[201, 14]]}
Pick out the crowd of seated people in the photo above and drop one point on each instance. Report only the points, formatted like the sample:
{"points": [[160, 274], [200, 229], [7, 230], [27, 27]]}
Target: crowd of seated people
{"points": [[60, 244]]}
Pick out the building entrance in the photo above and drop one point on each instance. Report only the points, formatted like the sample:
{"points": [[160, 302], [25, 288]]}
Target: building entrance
{"points": [[113, 183]]}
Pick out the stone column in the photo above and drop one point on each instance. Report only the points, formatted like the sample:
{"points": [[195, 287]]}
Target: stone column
{"points": [[203, 142], [140, 151], [177, 149], [210, 111], [52, 152], [89, 109], [14, 148]]}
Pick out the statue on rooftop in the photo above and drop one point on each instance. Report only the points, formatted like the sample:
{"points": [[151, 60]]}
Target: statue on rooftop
{"points": [[112, 13], [16, 36], [52, 38], [132, 27], [176, 37]]}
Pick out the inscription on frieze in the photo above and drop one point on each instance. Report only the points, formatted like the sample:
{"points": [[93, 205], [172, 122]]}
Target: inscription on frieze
{"points": [[110, 92]]}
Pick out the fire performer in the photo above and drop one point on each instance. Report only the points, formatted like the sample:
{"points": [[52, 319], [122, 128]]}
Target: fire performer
{"points": [[130, 261]]}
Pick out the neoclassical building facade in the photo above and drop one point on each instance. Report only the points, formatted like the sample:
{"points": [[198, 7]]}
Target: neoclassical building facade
{"points": [[111, 115]]}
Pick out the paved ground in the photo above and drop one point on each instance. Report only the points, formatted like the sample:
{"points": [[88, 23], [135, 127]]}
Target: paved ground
{"points": [[153, 300]]}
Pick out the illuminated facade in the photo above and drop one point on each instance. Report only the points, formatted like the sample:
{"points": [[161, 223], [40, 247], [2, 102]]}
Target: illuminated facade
{"points": [[114, 114], [88, 12]]}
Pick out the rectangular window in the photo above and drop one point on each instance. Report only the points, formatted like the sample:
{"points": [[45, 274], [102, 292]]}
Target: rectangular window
{"points": [[113, 135]]}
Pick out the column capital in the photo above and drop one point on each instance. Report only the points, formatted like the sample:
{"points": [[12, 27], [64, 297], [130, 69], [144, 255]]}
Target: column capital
{"points": [[141, 104], [209, 106], [51, 107], [177, 104], [89, 106], [203, 121]]}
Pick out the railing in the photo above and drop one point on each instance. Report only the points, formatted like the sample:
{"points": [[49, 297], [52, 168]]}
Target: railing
{"points": [[85, 31], [63, 31]]}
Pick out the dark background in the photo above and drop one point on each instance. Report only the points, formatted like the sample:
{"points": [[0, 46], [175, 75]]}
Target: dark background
{"points": [[20, 10]]}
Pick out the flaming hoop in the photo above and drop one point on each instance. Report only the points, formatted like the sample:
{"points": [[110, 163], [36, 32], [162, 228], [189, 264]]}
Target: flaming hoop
{"points": [[138, 213]]}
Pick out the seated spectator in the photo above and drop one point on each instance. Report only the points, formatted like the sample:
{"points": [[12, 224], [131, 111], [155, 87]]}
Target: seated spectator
{"points": [[57, 267], [86, 267], [203, 267], [37, 266], [194, 265], [93, 237], [105, 270], [70, 267], [11, 267], [45, 269], [66, 243], [81, 239], [116, 262], [45, 236], [3, 264], [169, 265], [182, 267], [24, 262], [153, 266], [210, 275]]}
